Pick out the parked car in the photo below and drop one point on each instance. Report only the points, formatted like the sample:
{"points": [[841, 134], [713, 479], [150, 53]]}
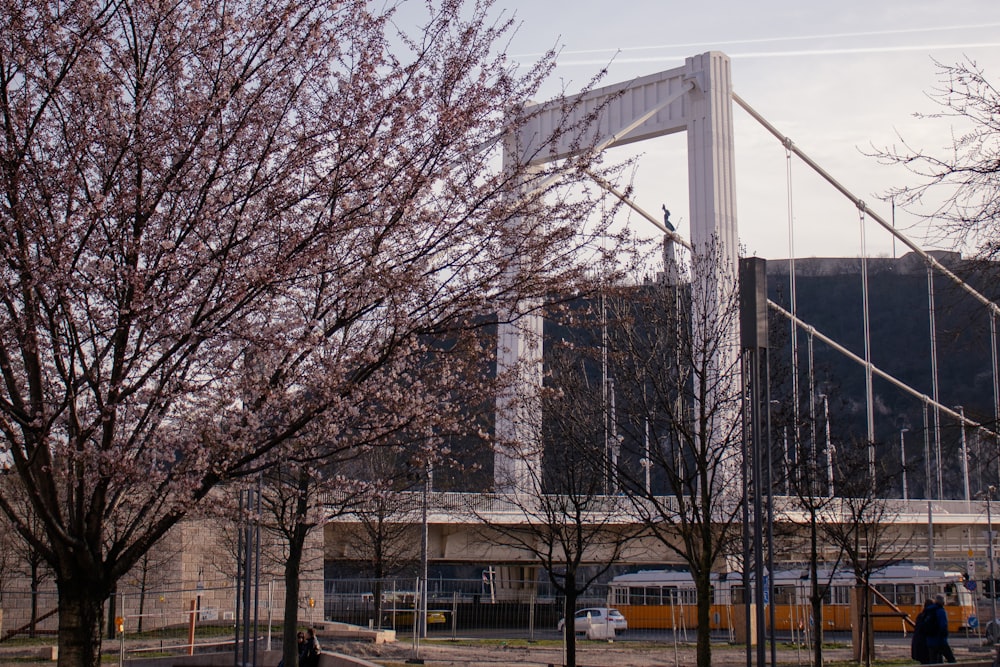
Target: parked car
{"points": [[594, 616]]}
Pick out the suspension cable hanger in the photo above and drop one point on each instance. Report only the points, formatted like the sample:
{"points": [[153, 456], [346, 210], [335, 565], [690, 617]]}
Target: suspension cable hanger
{"points": [[929, 259]]}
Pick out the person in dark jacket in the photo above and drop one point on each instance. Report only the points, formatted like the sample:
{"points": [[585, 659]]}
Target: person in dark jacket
{"points": [[309, 657], [918, 643], [937, 635], [301, 640]]}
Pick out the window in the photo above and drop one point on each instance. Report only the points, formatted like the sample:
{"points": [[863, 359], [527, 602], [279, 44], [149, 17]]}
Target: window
{"points": [[841, 594], [906, 594], [888, 592], [784, 595]]}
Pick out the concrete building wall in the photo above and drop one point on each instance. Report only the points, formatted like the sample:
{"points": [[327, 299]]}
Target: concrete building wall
{"points": [[194, 564]]}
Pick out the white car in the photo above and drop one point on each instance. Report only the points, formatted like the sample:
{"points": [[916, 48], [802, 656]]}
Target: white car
{"points": [[584, 618]]}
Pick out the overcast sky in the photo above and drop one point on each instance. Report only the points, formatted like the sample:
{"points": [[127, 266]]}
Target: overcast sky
{"points": [[834, 76]]}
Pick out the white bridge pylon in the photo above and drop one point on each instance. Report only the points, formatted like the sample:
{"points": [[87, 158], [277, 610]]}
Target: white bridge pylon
{"points": [[695, 98]]}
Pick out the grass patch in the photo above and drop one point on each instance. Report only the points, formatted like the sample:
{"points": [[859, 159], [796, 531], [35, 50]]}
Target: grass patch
{"points": [[181, 631], [44, 640]]}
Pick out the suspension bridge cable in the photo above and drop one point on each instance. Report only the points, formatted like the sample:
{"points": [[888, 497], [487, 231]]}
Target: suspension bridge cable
{"points": [[931, 310], [869, 391], [996, 379], [929, 259], [608, 187], [793, 300], [932, 265], [876, 371]]}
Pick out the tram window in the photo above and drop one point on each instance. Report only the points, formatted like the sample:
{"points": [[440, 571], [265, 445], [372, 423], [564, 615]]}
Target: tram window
{"points": [[653, 595], [888, 592], [737, 594], [906, 594], [622, 596], [784, 595], [841, 595], [688, 596]]}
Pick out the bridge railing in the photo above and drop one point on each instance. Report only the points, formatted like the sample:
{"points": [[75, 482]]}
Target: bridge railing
{"points": [[460, 507]]}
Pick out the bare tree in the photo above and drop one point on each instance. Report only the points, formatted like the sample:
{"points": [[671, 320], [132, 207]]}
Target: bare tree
{"points": [[959, 184], [678, 395], [565, 517], [808, 491], [387, 539], [151, 572], [861, 524], [184, 186], [291, 509], [22, 557]]}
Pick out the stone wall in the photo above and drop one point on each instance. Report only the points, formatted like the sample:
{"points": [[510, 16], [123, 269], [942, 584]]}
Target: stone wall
{"points": [[194, 564]]}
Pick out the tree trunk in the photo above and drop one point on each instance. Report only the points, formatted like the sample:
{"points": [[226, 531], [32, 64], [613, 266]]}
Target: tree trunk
{"points": [[143, 584], [112, 608], [142, 608], [32, 629], [815, 598], [377, 598], [293, 567], [80, 607], [569, 626], [703, 588]]}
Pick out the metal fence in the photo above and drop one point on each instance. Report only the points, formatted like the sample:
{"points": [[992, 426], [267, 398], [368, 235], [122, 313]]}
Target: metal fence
{"points": [[454, 606]]}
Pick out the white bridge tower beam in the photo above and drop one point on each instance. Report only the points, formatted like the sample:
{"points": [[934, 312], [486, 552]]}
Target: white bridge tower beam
{"points": [[695, 98]]}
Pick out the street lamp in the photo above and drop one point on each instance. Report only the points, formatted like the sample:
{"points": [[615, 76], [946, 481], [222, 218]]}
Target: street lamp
{"points": [[829, 445], [989, 554], [965, 455], [927, 486], [776, 405], [902, 459]]}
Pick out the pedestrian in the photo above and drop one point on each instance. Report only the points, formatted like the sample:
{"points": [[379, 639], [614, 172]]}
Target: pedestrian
{"points": [[310, 653], [918, 643], [937, 636], [300, 641]]}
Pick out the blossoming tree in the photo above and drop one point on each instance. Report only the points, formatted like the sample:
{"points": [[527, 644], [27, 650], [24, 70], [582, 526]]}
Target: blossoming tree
{"points": [[219, 220]]}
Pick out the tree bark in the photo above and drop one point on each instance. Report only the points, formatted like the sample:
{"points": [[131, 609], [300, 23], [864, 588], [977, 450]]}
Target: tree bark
{"points": [[569, 625], [34, 597], [703, 587], [289, 646], [293, 568], [80, 612], [815, 597]]}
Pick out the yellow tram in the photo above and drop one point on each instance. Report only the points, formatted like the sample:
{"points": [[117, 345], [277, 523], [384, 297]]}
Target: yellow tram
{"points": [[664, 599]]}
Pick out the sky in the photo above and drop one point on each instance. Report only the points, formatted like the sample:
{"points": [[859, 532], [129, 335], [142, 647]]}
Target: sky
{"points": [[836, 77]]}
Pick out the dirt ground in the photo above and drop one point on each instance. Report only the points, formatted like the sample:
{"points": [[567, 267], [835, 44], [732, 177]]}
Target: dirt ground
{"points": [[497, 653], [605, 654]]}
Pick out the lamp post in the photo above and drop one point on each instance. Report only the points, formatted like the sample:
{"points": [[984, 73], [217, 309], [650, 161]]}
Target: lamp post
{"points": [[902, 459], [645, 461], [989, 554], [927, 488], [829, 445], [965, 455], [420, 627]]}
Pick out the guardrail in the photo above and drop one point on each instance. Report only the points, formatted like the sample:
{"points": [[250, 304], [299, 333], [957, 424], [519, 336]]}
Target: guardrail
{"points": [[455, 507]]}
